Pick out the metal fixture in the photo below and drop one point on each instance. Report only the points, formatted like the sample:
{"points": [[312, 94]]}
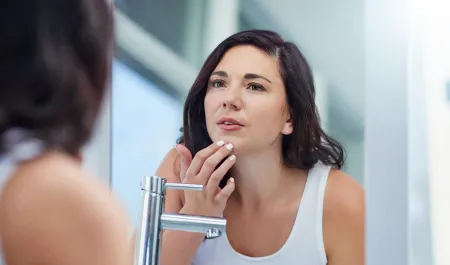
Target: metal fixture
{"points": [[153, 220]]}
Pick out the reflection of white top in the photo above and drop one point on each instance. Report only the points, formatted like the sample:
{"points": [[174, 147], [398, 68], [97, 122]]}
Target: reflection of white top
{"points": [[304, 245], [19, 148]]}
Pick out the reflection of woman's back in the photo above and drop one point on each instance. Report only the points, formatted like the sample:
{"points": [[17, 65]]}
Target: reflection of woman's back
{"points": [[55, 61]]}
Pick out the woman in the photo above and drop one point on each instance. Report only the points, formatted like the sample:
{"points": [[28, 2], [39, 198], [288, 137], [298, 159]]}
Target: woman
{"points": [[55, 63], [252, 137]]}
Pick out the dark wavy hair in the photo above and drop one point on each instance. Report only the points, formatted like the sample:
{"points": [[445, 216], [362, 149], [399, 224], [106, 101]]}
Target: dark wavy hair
{"points": [[55, 63], [308, 143]]}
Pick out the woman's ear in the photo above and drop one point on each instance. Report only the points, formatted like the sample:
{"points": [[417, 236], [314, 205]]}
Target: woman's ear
{"points": [[288, 127]]}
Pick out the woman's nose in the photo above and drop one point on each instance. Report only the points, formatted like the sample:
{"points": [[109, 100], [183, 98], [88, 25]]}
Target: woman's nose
{"points": [[233, 100]]}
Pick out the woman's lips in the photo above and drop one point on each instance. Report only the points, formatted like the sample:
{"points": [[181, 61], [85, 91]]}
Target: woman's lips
{"points": [[230, 127]]}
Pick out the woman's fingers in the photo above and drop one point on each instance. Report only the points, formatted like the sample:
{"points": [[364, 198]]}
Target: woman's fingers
{"points": [[206, 169], [225, 193], [186, 159], [211, 163], [200, 158], [217, 175]]}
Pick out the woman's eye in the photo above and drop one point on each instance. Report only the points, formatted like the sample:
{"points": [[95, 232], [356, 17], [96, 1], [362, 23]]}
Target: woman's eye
{"points": [[216, 83], [256, 87]]}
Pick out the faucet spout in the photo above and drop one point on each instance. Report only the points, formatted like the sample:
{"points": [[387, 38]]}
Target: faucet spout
{"points": [[192, 223]]}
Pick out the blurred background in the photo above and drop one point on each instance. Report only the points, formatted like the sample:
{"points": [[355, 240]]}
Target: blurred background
{"points": [[382, 73]]}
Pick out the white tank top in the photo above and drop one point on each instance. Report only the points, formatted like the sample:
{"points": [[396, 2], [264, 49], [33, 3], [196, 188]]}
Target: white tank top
{"points": [[304, 245], [19, 148]]}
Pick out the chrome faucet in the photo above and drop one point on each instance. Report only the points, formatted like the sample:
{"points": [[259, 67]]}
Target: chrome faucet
{"points": [[153, 220]]}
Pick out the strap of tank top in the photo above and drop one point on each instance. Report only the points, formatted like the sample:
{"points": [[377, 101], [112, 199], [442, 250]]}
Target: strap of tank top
{"points": [[19, 147], [322, 174], [312, 203]]}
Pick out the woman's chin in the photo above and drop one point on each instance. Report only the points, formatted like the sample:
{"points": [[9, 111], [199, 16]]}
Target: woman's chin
{"points": [[239, 149]]}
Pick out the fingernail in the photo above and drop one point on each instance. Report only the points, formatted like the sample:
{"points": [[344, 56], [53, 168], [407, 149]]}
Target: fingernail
{"points": [[232, 157], [232, 180], [220, 143], [229, 146]]}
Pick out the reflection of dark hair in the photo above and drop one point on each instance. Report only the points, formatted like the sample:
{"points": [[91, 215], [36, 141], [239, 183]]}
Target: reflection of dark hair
{"points": [[55, 63], [308, 143]]}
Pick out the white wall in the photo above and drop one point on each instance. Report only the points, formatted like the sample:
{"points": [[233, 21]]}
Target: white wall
{"points": [[436, 62], [386, 135]]}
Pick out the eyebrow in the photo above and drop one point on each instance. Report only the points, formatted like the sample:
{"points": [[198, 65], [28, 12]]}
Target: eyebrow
{"points": [[246, 76]]}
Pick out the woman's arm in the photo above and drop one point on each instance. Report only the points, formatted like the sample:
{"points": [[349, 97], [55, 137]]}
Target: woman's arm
{"points": [[57, 215], [343, 220]]}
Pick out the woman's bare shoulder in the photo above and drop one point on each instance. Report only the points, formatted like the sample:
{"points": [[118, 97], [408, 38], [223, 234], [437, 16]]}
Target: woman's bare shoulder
{"points": [[52, 208], [343, 219], [169, 167], [343, 194]]}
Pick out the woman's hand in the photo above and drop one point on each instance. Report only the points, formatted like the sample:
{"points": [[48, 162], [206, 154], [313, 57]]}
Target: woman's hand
{"points": [[211, 201]]}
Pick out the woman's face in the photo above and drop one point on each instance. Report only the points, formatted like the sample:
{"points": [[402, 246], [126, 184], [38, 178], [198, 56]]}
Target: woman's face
{"points": [[245, 102]]}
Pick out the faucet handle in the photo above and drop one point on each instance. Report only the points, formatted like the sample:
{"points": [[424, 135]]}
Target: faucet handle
{"points": [[210, 233], [158, 185], [183, 186]]}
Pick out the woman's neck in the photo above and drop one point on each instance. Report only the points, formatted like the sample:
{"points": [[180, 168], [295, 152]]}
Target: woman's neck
{"points": [[262, 177]]}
